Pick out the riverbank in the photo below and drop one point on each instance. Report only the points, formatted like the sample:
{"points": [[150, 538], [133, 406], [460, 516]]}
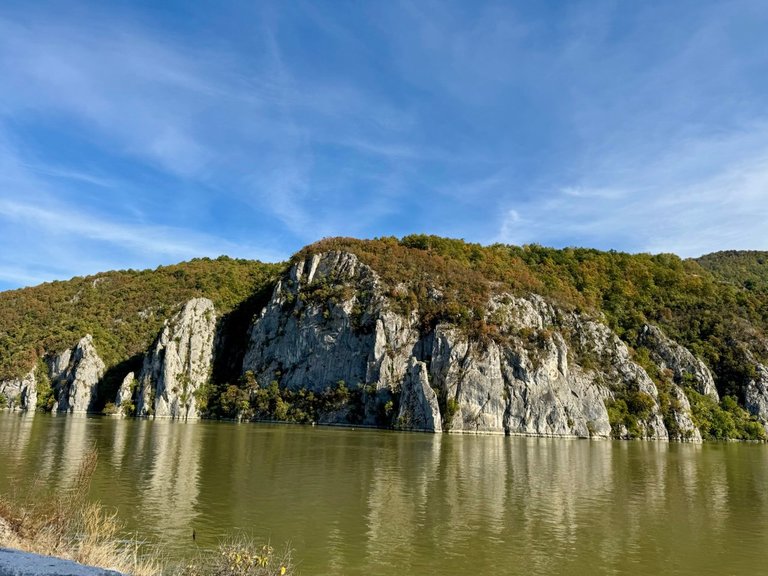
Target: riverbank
{"points": [[18, 563], [65, 527]]}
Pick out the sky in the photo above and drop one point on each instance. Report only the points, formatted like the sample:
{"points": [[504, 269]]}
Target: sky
{"points": [[137, 134]]}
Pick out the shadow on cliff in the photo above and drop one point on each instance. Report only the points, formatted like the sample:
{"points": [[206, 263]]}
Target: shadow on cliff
{"points": [[232, 337], [113, 377]]}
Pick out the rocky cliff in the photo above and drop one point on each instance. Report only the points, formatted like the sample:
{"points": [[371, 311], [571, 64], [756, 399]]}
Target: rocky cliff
{"points": [[75, 375], [421, 333], [547, 372], [20, 393], [756, 400], [178, 364]]}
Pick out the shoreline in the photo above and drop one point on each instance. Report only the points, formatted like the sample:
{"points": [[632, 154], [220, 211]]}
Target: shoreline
{"points": [[97, 415]]}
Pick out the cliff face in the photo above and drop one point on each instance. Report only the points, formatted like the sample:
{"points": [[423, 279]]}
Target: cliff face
{"points": [[75, 375], [178, 364], [684, 365], [329, 320], [20, 393], [422, 334], [757, 394]]}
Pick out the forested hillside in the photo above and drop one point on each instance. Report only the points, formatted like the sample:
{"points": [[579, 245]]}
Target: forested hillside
{"points": [[715, 307], [748, 268], [123, 310]]}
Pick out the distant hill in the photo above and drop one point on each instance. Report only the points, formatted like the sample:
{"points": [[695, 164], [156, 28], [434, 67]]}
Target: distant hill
{"points": [[748, 268]]}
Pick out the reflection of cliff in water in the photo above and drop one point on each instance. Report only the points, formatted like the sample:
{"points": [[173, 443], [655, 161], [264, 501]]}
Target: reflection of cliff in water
{"points": [[16, 430], [171, 485], [559, 504], [398, 497], [362, 502]]}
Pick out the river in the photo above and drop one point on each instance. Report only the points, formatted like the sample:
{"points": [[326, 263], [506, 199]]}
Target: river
{"points": [[372, 502]]}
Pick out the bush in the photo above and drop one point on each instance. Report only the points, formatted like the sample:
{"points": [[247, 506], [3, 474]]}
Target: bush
{"points": [[629, 409], [109, 409], [128, 408], [723, 421], [242, 557], [66, 525]]}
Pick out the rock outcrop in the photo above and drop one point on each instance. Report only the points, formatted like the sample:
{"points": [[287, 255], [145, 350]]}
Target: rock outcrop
{"points": [[20, 393], [125, 393], [419, 409], [756, 398], [551, 373], [686, 368], [179, 363], [75, 375]]}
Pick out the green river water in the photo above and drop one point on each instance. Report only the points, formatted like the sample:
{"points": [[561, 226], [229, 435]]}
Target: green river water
{"points": [[373, 502]]}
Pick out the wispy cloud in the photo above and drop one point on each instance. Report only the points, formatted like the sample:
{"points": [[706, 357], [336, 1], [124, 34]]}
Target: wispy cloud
{"points": [[48, 236], [133, 135], [667, 206], [208, 122]]}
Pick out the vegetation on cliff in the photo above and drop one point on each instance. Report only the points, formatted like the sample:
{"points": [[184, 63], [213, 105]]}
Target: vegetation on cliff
{"points": [[123, 310], [713, 318], [716, 306]]}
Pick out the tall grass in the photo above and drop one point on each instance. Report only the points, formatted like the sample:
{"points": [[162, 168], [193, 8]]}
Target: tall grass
{"points": [[65, 524]]}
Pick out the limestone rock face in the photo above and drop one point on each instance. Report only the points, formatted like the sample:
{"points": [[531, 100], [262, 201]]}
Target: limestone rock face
{"points": [[20, 394], [309, 334], [684, 428], [75, 375], [125, 392], [551, 373], [179, 363], [756, 400], [418, 403], [668, 354]]}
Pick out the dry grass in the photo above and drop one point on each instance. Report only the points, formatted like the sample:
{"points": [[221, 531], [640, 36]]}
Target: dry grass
{"points": [[242, 557], [67, 525]]}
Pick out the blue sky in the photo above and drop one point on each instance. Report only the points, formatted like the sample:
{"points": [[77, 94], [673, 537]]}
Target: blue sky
{"points": [[134, 134]]}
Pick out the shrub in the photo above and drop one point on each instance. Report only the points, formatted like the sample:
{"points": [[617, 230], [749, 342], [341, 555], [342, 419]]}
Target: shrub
{"points": [[723, 421], [128, 408], [242, 557], [67, 525], [109, 409]]}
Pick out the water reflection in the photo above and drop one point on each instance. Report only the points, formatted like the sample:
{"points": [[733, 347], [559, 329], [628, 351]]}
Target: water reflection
{"points": [[372, 502], [171, 488]]}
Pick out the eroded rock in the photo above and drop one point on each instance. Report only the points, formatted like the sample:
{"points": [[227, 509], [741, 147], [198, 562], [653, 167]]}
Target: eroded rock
{"points": [[686, 368], [75, 375], [179, 363], [20, 393], [330, 320]]}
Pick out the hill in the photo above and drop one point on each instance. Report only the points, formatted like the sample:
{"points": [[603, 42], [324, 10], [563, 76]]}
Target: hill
{"points": [[123, 310], [748, 268], [680, 323]]}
